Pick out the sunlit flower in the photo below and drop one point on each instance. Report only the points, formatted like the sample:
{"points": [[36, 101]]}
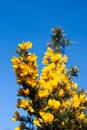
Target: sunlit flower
{"points": [[17, 128], [36, 122], [54, 104], [81, 116], [47, 117], [25, 45]]}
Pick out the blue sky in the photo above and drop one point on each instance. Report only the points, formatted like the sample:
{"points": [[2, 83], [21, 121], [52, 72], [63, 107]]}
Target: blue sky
{"points": [[23, 20]]}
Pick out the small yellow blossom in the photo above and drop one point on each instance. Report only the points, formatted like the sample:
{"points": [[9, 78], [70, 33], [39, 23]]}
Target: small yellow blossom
{"points": [[68, 86], [64, 59], [32, 58], [14, 119], [54, 104], [81, 116], [49, 52], [47, 117], [66, 103], [63, 123], [81, 97], [26, 91], [17, 128], [25, 46], [56, 57], [64, 78], [76, 101], [15, 60], [43, 93], [75, 85], [61, 92], [30, 109], [47, 56], [36, 122], [24, 103]]}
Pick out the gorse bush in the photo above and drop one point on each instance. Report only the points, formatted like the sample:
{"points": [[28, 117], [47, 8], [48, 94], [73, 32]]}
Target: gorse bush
{"points": [[52, 101]]}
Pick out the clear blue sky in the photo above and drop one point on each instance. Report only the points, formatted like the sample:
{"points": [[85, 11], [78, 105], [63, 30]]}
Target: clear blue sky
{"points": [[23, 20]]}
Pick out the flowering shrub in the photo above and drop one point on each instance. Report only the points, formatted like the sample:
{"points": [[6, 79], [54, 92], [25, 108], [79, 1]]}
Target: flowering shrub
{"points": [[53, 101]]}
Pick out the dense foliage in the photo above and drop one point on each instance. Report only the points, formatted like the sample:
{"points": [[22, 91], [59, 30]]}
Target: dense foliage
{"points": [[53, 101]]}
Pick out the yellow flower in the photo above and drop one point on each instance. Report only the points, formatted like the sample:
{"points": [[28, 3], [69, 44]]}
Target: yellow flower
{"points": [[75, 85], [62, 67], [45, 60], [21, 46], [15, 60], [28, 45], [76, 102], [17, 128], [81, 97], [26, 91], [30, 109], [68, 86], [24, 103], [64, 59], [43, 93], [82, 107], [64, 78], [66, 103], [47, 117], [63, 123], [47, 56], [49, 87], [14, 119], [53, 83], [25, 45], [81, 116], [56, 57], [36, 122], [49, 52], [31, 81], [32, 58], [61, 92], [54, 104]]}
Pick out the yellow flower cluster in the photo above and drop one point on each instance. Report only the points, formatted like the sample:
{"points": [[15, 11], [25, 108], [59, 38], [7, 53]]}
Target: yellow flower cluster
{"points": [[47, 117], [26, 105], [23, 104], [53, 57], [54, 83], [55, 97], [53, 74], [54, 104], [25, 66], [82, 116], [77, 100], [25, 46], [36, 122]]}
